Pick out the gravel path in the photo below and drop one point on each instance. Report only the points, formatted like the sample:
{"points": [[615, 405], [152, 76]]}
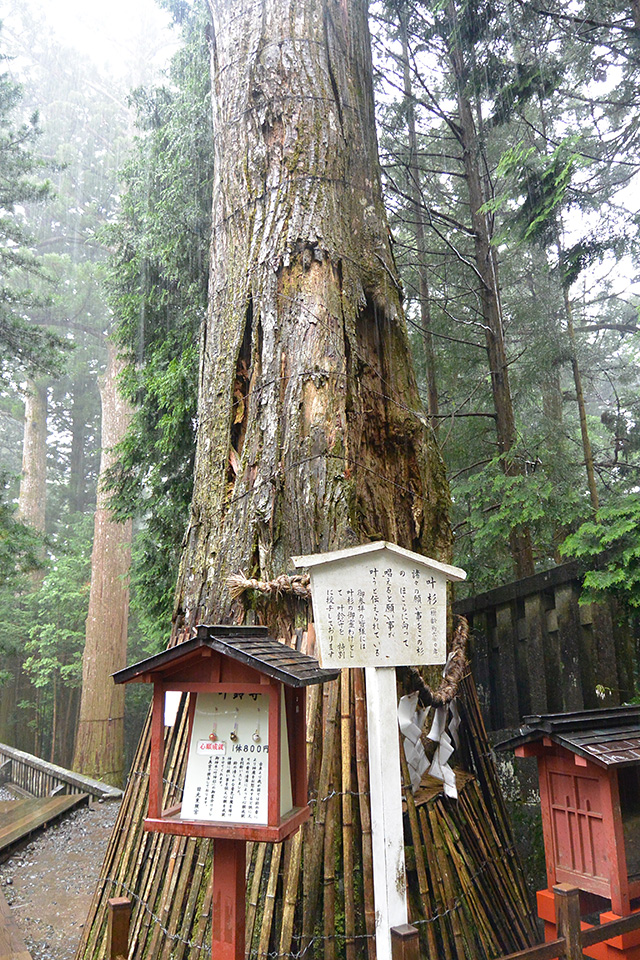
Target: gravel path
{"points": [[49, 882]]}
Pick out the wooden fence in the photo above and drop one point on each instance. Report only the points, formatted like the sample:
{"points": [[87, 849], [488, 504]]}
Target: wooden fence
{"points": [[571, 943], [573, 940], [41, 779], [535, 649]]}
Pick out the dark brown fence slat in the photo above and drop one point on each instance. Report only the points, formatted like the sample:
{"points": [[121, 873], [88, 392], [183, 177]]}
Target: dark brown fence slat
{"points": [[567, 902], [534, 648], [615, 928], [543, 951]]}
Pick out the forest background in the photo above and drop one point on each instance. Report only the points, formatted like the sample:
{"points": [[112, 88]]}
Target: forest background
{"points": [[510, 143]]}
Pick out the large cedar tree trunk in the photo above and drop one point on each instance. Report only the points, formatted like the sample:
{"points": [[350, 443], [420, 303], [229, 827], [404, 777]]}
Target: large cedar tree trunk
{"points": [[310, 436], [310, 432], [99, 749]]}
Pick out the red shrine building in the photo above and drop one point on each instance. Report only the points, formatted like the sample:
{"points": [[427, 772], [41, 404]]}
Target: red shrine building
{"points": [[589, 773]]}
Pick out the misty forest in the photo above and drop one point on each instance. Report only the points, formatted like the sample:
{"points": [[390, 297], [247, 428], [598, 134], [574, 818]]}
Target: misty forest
{"points": [[330, 276]]}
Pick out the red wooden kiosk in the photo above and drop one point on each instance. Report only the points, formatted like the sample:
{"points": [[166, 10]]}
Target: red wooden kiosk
{"points": [[246, 775], [589, 774]]}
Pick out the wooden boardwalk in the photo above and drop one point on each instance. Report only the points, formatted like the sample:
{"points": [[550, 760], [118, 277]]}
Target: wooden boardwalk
{"points": [[19, 818], [11, 943]]}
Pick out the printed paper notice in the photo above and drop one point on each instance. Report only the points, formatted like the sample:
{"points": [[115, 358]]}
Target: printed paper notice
{"points": [[228, 766]]}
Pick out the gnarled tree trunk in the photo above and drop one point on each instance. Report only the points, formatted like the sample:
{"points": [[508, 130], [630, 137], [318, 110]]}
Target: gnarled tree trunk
{"points": [[310, 432], [99, 748], [310, 435]]}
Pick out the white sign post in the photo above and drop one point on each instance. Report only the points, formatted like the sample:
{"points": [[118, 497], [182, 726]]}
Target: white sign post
{"points": [[379, 606]]}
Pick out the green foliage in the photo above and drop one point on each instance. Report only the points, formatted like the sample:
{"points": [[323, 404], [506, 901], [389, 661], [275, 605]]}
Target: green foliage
{"points": [[21, 183], [610, 545], [541, 183], [158, 288], [21, 548], [59, 609], [493, 504]]}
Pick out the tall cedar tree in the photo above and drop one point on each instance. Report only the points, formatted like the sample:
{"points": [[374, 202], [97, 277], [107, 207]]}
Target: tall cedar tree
{"points": [[310, 436], [99, 746]]}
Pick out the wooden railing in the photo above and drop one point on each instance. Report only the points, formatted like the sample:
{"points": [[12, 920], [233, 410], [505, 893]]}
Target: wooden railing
{"points": [[570, 944], [41, 779], [535, 649], [573, 940]]}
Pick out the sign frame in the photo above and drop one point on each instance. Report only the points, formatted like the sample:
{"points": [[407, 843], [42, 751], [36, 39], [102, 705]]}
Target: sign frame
{"points": [[385, 781], [379, 605]]}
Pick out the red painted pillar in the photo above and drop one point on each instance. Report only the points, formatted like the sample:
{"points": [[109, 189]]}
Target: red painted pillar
{"points": [[228, 904]]}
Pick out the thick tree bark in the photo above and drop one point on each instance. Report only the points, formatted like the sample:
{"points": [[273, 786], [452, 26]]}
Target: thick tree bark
{"points": [[489, 291], [99, 749], [82, 398], [310, 433]]}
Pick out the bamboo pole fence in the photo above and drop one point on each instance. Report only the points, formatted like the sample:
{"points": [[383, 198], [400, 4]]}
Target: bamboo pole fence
{"points": [[312, 896]]}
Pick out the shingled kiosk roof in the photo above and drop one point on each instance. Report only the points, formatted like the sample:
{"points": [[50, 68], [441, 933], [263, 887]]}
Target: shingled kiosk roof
{"points": [[608, 737], [249, 645]]}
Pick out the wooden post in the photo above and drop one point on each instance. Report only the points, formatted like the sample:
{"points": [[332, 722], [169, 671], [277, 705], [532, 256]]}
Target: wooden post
{"points": [[405, 944], [567, 904], [228, 903], [386, 806], [118, 928]]}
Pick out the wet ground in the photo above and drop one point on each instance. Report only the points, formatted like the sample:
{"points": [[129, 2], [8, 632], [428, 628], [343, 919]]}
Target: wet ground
{"points": [[49, 882]]}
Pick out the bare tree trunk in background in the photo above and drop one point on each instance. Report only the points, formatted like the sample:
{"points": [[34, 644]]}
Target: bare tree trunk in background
{"points": [[577, 380], [99, 749], [33, 490], [489, 292], [419, 230], [310, 432], [15, 730]]}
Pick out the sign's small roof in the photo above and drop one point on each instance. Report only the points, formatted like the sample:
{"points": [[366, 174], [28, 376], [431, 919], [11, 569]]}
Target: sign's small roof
{"points": [[316, 559], [249, 645], [608, 737]]}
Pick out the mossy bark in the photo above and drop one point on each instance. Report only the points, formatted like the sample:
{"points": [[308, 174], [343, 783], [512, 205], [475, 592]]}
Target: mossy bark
{"points": [[310, 435]]}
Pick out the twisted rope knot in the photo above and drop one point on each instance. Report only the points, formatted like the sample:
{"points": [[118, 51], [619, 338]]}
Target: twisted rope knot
{"points": [[297, 586]]}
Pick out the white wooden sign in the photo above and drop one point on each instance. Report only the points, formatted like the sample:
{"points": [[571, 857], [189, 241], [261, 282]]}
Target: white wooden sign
{"points": [[379, 605]]}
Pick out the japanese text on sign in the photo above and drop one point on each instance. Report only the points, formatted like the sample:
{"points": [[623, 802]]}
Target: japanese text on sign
{"points": [[228, 766], [380, 612]]}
